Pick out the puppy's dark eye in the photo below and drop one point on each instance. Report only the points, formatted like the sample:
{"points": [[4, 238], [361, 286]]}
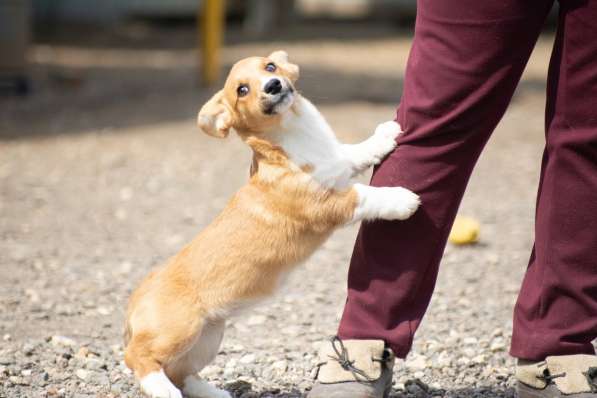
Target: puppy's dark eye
{"points": [[271, 67], [242, 90]]}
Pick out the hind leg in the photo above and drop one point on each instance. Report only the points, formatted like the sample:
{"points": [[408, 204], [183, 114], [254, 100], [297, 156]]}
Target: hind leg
{"points": [[155, 343], [183, 371], [140, 356]]}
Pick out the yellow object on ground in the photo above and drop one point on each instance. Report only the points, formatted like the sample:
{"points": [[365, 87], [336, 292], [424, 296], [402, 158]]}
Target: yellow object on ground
{"points": [[465, 230]]}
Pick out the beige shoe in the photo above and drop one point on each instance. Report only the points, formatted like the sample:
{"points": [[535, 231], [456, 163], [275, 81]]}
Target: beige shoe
{"points": [[354, 369], [572, 376]]}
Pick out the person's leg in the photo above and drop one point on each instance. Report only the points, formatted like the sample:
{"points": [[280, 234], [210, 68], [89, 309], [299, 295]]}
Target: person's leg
{"points": [[556, 312], [466, 59]]}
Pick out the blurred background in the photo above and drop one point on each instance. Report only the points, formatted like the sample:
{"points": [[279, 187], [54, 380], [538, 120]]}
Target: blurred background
{"points": [[103, 175], [68, 53]]}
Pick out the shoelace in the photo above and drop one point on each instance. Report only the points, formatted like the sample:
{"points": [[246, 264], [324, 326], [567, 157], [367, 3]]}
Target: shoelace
{"points": [[590, 374], [547, 376], [344, 360]]}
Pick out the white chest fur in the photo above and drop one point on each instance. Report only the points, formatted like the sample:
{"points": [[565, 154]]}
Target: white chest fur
{"points": [[309, 141]]}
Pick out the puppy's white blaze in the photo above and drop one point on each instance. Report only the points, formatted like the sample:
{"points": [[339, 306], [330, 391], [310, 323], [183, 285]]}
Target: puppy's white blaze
{"points": [[388, 203], [157, 385], [309, 141], [197, 388]]}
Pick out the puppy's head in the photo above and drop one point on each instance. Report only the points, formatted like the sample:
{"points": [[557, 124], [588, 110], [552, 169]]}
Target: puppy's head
{"points": [[257, 92]]}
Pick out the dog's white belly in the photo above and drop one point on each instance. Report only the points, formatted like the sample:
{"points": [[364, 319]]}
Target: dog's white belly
{"points": [[333, 174]]}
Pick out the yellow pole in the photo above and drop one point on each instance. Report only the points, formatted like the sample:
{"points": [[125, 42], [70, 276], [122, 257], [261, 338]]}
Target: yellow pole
{"points": [[211, 31]]}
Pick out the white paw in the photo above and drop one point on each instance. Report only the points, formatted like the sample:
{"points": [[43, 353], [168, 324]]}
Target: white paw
{"points": [[196, 388], [385, 139], [157, 385], [389, 129], [398, 203], [386, 203]]}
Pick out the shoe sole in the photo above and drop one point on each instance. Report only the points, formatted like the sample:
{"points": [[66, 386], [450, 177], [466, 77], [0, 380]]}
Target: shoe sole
{"points": [[522, 391], [386, 393]]}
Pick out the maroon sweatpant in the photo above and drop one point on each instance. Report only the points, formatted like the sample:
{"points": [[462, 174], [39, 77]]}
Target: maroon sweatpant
{"points": [[466, 60]]}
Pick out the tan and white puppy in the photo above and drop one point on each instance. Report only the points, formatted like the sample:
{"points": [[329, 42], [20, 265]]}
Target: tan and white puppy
{"points": [[299, 192]]}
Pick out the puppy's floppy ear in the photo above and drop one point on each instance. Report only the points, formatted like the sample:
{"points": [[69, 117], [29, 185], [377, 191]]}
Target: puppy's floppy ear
{"points": [[281, 58], [214, 118]]}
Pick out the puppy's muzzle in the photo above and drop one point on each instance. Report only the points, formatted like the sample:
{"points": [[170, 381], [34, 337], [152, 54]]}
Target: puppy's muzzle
{"points": [[278, 96], [273, 87]]}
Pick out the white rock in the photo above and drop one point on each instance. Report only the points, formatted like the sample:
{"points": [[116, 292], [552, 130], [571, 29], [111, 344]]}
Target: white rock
{"points": [[497, 345], [470, 340], [444, 360], [479, 359], [256, 320], [82, 374], [280, 366], [464, 361], [120, 214], [94, 364], [291, 330], [63, 341], [126, 193], [247, 359], [240, 327], [32, 294], [416, 363], [211, 371], [497, 332], [126, 267], [469, 352], [493, 258], [104, 310]]}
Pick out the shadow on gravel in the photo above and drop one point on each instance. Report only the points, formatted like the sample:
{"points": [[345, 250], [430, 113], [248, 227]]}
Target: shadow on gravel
{"points": [[95, 96], [481, 392], [168, 34], [96, 99], [473, 392], [243, 389], [415, 388]]}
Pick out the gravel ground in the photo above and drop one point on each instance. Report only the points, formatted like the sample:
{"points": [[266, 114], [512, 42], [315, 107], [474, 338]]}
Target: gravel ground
{"points": [[104, 175]]}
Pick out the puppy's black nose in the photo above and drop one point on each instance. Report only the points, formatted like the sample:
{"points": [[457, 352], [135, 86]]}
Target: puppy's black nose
{"points": [[274, 86]]}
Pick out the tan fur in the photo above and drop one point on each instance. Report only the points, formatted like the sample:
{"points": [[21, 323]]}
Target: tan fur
{"points": [[274, 222]]}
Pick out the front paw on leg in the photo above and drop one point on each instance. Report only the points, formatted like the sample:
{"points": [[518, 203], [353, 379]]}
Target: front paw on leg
{"points": [[384, 139], [397, 203]]}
